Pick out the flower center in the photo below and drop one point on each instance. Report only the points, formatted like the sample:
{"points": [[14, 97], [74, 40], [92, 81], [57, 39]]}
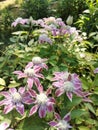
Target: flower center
{"points": [[29, 72], [42, 98], [16, 97], [63, 125], [68, 86], [36, 60]]}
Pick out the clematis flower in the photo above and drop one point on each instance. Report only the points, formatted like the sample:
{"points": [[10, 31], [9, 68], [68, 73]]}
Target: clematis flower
{"points": [[44, 38], [69, 84], [96, 71], [15, 99], [39, 62], [42, 102], [31, 73], [61, 124], [4, 126], [19, 21]]}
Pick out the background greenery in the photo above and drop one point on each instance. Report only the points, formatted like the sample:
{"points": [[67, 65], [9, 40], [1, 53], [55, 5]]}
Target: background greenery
{"points": [[16, 53]]}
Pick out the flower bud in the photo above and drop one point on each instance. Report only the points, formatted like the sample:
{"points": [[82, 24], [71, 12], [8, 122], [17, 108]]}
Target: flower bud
{"points": [[69, 20]]}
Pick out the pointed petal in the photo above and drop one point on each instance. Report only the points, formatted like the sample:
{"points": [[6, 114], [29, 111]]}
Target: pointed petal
{"points": [[42, 111], [29, 65], [5, 94], [39, 75], [30, 82], [59, 92], [33, 110], [20, 74], [52, 100], [20, 108], [4, 125], [40, 88], [52, 123], [12, 90], [67, 117], [57, 116], [69, 95], [32, 93], [48, 91], [8, 108], [57, 84], [21, 90], [4, 102], [28, 101], [50, 107]]}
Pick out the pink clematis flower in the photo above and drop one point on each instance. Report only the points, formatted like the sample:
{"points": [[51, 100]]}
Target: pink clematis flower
{"points": [[61, 124], [42, 102], [15, 99], [96, 71], [38, 61], [44, 38], [69, 83], [19, 21], [31, 73]]}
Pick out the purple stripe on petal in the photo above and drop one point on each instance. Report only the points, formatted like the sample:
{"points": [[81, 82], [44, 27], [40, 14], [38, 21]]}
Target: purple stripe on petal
{"points": [[42, 111], [8, 108], [20, 108], [32, 93], [52, 123], [69, 95], [52, 100], [48, 91], [21, 90], [50, 107], [59, 92], [67, 117], [33, 110], [57, 116], [30, 82], [5, 94], [27, 101], [12, 90], [29, 65]]}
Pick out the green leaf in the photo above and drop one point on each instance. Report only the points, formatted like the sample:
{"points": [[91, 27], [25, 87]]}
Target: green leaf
{"points": [[78, 113], [84, 128], [13, 84], [90, 107], [2, 84], [32, 123]]}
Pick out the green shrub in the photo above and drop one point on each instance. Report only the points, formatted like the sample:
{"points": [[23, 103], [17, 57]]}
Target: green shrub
{"points": [[35, 8], [70, 7]]}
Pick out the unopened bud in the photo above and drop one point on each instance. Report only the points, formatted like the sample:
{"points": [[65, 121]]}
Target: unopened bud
{"points": [[69, 20]]}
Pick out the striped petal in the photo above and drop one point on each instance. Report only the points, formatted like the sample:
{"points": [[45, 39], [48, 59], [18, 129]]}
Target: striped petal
{"points": [[8, 108], [20, 108], [67, 117], [33, 110], [30, 82], [52, 123], [69, 95], [42, 111], [59, 92]]}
